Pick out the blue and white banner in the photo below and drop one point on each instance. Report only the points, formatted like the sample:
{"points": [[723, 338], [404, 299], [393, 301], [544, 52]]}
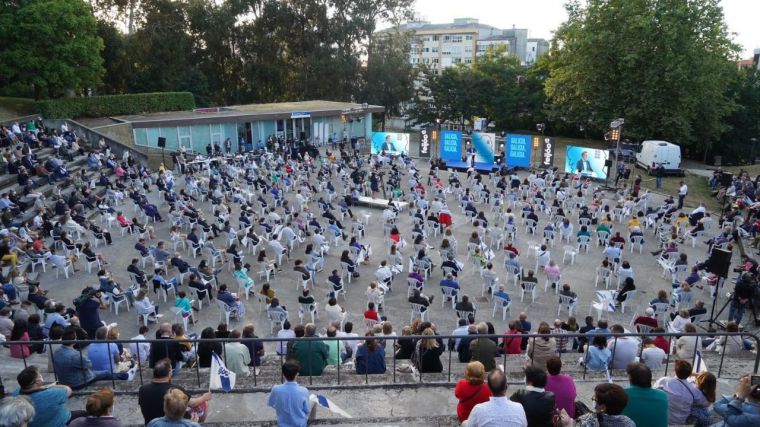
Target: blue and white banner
{"points": [[484, 144], [326, 403], [451, 146], [221, 377], [518, 150]]}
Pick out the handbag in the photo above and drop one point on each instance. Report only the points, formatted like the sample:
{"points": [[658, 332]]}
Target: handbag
{"points": [[581, 409]]}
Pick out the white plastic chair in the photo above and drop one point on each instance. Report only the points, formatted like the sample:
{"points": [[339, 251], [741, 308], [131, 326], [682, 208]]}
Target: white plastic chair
{"points": [[225, 311], [503, 304], [449, 293], [276, 319], [603, 275], [528, 287], [307, 308], [566, 301], [552, 278], [583, 243], [419, 310]]}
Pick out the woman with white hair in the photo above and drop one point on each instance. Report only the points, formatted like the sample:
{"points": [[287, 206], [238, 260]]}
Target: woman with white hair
{"points": [[16, 411]]}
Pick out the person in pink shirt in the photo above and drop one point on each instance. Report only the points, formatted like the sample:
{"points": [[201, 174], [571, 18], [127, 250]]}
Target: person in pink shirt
{"points": [[561, 385]]}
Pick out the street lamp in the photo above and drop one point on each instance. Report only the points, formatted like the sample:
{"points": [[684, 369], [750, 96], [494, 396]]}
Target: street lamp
{"points": [[541, 127], [617, 130]]}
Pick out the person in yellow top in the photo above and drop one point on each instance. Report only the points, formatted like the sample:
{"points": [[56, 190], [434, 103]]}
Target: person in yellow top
{"points": [[633, 222], [682, 222]]}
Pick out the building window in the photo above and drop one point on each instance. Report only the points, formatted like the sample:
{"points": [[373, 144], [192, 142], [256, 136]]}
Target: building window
{"points": [[468, 60], [447, 38], [468, 37], [456, 60], [184, 136], [456, 39], [435, 38], [434, 49], [216, 132]]}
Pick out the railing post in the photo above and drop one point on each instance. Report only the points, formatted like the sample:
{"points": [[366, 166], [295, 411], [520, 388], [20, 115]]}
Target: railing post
{"points": [[340, 357], [110, 364], [722, 355], [198, 364], [139, 363]]}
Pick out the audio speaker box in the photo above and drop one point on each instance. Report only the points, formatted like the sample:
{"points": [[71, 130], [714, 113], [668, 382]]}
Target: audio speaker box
{"points": [[719, 262], [726, 179], [607, 163], [162, 142]]}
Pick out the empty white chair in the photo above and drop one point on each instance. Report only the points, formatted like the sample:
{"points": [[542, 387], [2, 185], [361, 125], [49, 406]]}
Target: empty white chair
{"points": [[603, 275], [629, 297], [583, 242], [571, 252]]}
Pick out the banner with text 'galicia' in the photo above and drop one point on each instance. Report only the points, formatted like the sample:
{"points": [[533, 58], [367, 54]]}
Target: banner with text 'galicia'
{"points": [[518, 150], [451, 146]]}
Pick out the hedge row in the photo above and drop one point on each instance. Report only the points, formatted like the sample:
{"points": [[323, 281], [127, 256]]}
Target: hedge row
{"points": [[114, 105]]}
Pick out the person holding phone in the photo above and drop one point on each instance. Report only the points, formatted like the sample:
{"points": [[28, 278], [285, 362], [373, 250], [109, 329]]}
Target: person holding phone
{"points": [[743, 408]]}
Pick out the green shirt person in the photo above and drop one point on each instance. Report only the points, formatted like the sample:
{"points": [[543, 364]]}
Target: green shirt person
{"points": [[647, 407]]}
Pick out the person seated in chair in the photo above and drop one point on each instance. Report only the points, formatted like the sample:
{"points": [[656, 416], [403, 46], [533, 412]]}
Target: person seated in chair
{"points": [[418, 298], [465, 305]]}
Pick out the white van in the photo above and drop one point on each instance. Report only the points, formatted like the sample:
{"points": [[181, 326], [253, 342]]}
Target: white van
{"points": [[654, 153]]}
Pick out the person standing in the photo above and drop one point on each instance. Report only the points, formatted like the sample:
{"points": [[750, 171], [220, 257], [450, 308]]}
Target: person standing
{"points": [[683, 190], [498, 410], [659, 171], [290, 400], [536, 401]]}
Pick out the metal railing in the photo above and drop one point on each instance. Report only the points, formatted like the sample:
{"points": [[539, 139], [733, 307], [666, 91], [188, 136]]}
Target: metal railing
{"points": [[444, 377]]}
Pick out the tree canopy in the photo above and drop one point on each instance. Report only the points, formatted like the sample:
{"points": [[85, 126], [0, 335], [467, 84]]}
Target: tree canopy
{"points": [[52, 45], [665, 66]]}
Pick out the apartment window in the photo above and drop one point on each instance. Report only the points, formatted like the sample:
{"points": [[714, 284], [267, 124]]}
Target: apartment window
{"points": [[435, 60], [427, 49], [468, 49], [456, 39], [184, 135], [427, 60], [446, 51], [447, 38], [435, 38], [468, 60], [456, 60], [426, 38], [434, 49], [468, 37]]}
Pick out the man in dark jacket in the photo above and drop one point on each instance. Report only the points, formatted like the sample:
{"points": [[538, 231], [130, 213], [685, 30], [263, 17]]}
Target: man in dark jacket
{"points": [[483, 349], [744, 291], [537, 402]]}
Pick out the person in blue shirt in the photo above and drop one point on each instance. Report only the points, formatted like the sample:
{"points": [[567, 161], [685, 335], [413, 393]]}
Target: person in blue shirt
{"points": [[598, 355], [290, 400], [50, 401], [501, 293], [449, 282], [743, 408], [103, 355], [370, 357]]}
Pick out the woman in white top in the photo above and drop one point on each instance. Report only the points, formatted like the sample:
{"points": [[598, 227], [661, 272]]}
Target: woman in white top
{"points": [[285, 332], [681, 320]]}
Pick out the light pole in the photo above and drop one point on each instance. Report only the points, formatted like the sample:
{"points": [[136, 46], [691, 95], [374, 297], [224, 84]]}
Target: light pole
{"points": [[752, 150], [617, 130], [541, 127]]}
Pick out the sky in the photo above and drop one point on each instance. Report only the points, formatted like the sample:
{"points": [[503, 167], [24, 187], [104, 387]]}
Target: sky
{"points": [[542, 17]]}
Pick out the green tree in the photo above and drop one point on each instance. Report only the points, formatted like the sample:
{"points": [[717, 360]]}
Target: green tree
{"points": [[388, 77], [743, 124], [663, 65], [52, 45]]}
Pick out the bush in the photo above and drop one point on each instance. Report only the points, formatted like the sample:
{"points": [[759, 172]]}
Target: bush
{"points": [[114, 105]]}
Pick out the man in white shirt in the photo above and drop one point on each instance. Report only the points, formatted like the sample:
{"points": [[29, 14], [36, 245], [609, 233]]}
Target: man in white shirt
{"points": [[683, 190], [652, 356], [498, 411], [144, 347], [624, 349]]}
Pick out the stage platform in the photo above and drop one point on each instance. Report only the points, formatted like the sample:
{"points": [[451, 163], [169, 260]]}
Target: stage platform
{"points": [[463, 166]]}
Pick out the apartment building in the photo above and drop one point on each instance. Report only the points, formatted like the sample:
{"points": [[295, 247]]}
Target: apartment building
{"points": [[441, 46]]}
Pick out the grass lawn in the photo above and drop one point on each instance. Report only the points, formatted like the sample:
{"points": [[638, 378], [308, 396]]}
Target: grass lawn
{"points": [[11, 108]]}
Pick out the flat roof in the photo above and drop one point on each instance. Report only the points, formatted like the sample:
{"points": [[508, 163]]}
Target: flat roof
{"points": [[248, 112]]}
